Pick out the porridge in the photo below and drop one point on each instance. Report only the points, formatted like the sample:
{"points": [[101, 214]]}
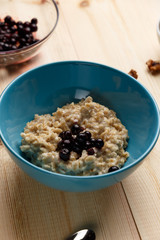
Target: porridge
{"points": [[81, 139]]}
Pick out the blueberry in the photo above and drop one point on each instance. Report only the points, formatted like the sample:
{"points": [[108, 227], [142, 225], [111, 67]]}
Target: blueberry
{"points": [[15, 35], [75, 143], [113, 168], [93, 141], [20, 28], [59, 145], [27, 44], [90, 151], [78, 150], [7, 35], [2, 24], [2, 32], [30, 40], [13, 40], [5, 40], [61, 135], [21, 46], [27, 36], [5, 27], [99, 143], [22, 41], [65, 135], [33, 27], [7, 19], [34, 20], [88, 135], [76, 147], [81, 137], [13, 47], [13, 29], [12, 22], [19, 23], [1, 37], [64, 154], [2, 44], [8, 31], [26, 24], [7, 46], [88, 145], [67, 144], [27, 30], [75, 129]]}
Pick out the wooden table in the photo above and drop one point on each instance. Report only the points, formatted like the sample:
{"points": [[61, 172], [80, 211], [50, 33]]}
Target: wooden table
{"points": [[121, 34]]}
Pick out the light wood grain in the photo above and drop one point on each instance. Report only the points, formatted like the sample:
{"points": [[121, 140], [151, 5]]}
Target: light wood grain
{"points": [[121, 34]]}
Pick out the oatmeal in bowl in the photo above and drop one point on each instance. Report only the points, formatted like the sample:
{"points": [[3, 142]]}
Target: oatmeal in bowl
{"points": [[82, 139]]}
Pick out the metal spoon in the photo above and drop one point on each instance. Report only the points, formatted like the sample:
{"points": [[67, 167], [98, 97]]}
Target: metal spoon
{"points": [[85, 234]]}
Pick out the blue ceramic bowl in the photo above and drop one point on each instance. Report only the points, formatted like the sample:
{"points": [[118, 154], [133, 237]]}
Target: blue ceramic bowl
{"points": [[43, 89]]}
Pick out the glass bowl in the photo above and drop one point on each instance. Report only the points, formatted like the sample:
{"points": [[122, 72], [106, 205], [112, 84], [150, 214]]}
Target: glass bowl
{"points": [[158, 30], [46, 11]]}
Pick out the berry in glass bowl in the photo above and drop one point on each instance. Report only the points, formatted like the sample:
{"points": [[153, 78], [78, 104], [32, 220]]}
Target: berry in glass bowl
{"points": [[24, 27]]}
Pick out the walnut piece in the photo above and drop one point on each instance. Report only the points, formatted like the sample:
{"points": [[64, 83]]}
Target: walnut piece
{"points": [[84, 3], [153, 66], [133, 73]]}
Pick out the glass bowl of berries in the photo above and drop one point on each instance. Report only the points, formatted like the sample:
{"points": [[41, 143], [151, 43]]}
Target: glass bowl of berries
{"points": [[24, 27]]}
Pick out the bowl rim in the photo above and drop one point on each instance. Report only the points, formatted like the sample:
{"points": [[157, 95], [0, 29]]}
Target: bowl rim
{"points": [[36, 44], [26, 162], [158, 28]]}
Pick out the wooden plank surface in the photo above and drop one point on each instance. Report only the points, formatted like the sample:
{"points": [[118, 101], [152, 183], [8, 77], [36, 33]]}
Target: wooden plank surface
{"points": [[121, 34]]}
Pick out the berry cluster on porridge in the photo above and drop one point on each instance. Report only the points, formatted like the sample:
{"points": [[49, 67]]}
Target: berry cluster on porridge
{"points": [[82, 139]]}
